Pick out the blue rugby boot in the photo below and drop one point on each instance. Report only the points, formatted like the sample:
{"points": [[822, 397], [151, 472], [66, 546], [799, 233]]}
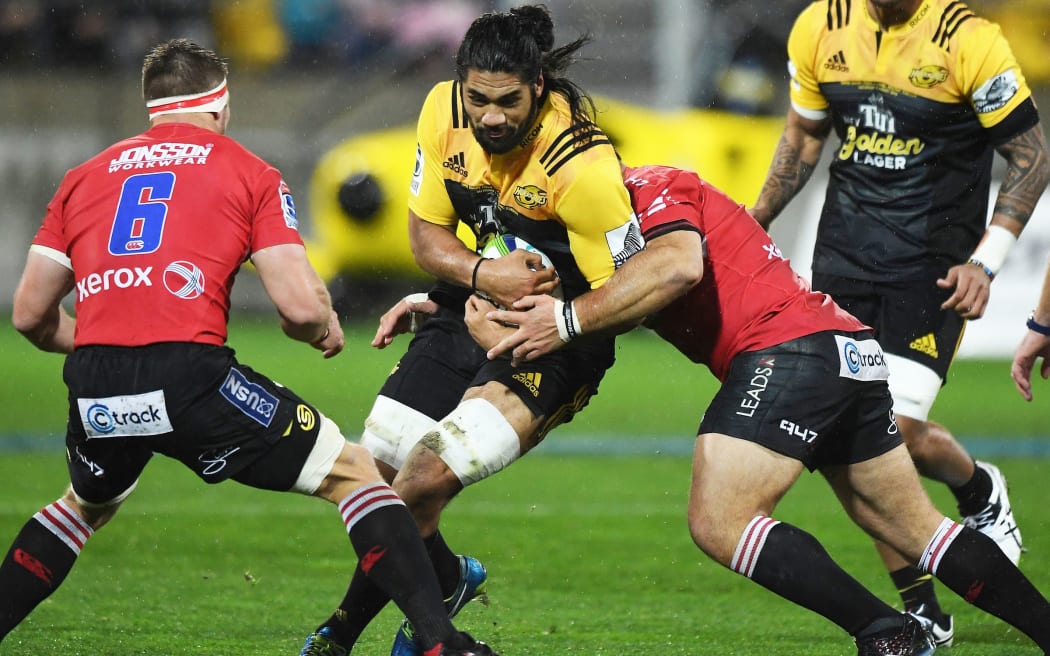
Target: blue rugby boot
{"points": [[472, 580], [320, 644]]}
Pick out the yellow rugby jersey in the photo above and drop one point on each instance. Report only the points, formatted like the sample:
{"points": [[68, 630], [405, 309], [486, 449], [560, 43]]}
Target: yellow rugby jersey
{"points": [[561, 189], [918, 109]]}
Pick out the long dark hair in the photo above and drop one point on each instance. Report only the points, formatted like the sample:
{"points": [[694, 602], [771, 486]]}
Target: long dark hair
{"points": [[521, 42]]}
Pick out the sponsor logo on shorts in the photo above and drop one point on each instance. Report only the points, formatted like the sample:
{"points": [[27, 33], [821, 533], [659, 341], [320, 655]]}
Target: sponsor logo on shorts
{"points": [[926, 344], [251, 399], [124, 416], [758, 384], [305, 416], [531, 380], [96, 470], [796, 430], [861, 360]]}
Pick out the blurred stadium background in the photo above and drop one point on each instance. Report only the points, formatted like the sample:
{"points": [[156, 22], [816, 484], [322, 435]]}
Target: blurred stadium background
{"points": [[328, 91]]}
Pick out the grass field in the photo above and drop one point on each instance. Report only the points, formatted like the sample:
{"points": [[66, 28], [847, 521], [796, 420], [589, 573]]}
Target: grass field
{"points": [[588, 554]]}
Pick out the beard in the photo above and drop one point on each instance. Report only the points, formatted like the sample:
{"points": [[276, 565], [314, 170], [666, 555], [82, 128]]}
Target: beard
{"points": [[502, 140]]}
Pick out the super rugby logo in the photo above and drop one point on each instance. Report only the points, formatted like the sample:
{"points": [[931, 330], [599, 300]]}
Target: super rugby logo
{"points": [[184, 279], [251, 399]]}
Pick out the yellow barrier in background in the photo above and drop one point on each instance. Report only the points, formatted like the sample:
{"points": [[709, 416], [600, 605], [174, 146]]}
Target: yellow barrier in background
{"points": [[365, 230]]}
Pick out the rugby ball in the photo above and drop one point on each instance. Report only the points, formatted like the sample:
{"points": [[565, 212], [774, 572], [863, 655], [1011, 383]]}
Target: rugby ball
{"points": [[500, 245]]}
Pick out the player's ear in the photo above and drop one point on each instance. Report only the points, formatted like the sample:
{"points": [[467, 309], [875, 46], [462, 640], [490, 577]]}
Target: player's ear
{"points": [[538, 86]]}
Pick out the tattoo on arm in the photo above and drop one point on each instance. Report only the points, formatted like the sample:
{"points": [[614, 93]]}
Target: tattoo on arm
{"points": [[1027, 175], [787, 176]]}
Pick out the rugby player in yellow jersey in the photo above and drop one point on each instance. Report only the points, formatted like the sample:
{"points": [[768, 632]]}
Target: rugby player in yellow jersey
{"points": [[509, 146], [921, 94]]}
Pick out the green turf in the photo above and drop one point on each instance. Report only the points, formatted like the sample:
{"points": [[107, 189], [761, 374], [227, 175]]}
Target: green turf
{"points": [[587, 555], [652, 390]]}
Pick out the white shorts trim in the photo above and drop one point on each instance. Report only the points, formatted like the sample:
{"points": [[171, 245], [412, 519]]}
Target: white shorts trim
{"points": [[326, 452], [475, 440], [392, 429], [913, 386], [119, 499]]}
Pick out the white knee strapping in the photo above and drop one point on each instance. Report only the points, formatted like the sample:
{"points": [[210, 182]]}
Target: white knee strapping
{"points": [[322, 458], [475, 440], [392, 429], [914, 387]]}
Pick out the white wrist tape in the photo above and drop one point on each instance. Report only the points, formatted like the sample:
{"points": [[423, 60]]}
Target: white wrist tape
{"points": [[992, 251], [559, 320], [566, 320]]}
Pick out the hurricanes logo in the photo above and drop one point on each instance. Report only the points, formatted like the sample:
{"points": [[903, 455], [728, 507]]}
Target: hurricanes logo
{"points": [[305, 416], [530, 380], [530, 196], [184, 279], [927, 77], [925, 344]]}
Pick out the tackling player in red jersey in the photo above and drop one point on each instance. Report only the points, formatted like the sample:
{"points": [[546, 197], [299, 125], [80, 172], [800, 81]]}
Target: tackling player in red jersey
{"points": [[149, 235], [803, 386]]}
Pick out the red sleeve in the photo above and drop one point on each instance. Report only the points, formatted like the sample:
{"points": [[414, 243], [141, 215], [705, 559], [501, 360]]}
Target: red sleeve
{"points": [[275, 221]]}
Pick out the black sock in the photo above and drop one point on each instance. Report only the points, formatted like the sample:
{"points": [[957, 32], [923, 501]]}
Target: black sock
{"points": [[794, 565], [363, 601], [916, 589], [392, 556], [38, 561], [972, 496], [445, 561], [974, 568]]}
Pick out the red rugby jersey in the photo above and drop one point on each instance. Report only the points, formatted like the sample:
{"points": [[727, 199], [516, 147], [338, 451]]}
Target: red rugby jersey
{"points": [[156, 227], [749, 298]]}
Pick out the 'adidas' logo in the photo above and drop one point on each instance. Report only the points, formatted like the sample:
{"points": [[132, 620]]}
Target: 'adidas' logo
{"points": [[837, 62], [531, 380], [926, 344], [457, 163]]}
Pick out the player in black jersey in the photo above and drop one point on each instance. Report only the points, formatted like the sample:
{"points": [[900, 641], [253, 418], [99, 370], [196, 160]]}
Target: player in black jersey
{"points": [[921, 94]]}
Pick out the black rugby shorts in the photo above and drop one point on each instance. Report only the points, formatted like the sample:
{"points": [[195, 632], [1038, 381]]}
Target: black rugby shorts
{"points": [[791, 398], [191, 402], [443, 361]]}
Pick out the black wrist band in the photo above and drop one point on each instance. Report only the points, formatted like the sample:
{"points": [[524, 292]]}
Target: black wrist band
{"points": [[1035, 326], [570, 325], [474, 276]]}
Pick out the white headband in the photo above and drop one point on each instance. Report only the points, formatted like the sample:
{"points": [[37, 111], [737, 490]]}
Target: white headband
{"points": [[209, 101]]}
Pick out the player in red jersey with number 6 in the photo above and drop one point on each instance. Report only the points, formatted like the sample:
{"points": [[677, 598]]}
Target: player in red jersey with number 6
{"points": [[149, 235]]}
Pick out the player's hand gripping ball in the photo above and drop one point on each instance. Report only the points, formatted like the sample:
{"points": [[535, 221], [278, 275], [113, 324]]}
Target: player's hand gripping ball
{"points": [[500, 245]]}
